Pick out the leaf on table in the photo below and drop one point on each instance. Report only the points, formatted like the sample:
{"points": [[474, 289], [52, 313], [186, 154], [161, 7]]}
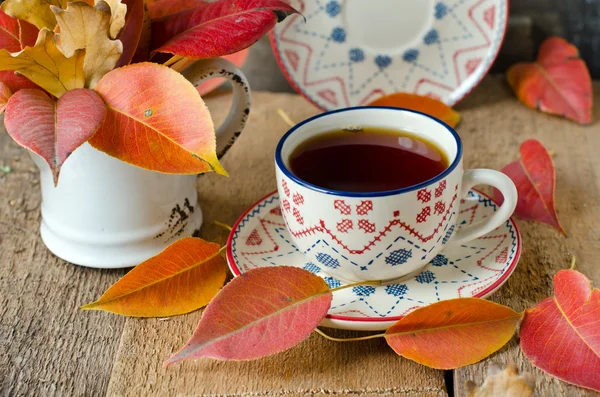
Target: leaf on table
{"points": [[53, 128], [262, 312], [83, 27], [453, 333], [558, 82], [560, 335], [534, 178], [430, 106], [161, 8], [135, 35], [218, 28], [503, 383], [46, 66], [36, 12], [182, 278], [16, 34], [5, 94], [156, 120]]}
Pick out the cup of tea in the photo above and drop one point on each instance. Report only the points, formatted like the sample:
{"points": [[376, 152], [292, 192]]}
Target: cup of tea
{"points": [[373, 193]]}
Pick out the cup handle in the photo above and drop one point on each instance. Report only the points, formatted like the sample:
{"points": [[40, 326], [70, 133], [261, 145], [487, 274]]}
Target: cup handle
{"points": [[501, 182], [205, 69]]}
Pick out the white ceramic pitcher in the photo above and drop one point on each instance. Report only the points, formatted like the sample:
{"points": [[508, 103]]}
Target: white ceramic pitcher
{"points": [[109, 214]]}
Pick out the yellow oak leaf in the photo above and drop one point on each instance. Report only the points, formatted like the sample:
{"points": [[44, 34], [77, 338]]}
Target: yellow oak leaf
{"points": [[117, 19], [46, 66], [85, 27], [503, 383], [36, 12]]}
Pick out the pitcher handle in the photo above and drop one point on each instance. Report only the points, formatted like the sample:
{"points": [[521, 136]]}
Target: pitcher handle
{"points": [[205, 69]]}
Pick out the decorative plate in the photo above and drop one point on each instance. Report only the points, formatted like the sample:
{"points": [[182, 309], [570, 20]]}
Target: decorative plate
{"points": [[348, 53], [259, 238]]}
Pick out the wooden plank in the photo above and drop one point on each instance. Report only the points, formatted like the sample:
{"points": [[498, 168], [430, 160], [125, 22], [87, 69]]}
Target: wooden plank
{"points": [[48, 347], [493, 126], [316, 366]]}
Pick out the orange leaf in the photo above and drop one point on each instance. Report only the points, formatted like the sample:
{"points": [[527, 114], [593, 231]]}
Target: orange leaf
{"points": [[264, 311], [182, 278], [453, 333], [558, 82], [4, 96], [560, 335], [156, 120], [424, 104]]}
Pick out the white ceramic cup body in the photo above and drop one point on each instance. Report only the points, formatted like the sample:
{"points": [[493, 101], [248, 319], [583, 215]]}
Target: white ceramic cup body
{"points": [[382, 235], [108, 214]]}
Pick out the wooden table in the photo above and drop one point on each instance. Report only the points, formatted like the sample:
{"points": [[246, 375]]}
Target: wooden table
{"points": [[48, 347]]}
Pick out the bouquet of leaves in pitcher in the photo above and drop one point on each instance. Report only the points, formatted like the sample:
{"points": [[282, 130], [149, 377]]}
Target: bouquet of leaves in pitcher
{"points": [[107, 72]]}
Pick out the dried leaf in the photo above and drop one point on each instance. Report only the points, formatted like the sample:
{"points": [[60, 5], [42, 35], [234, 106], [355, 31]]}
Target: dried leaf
{"points": [[182, 278], [118, 12], [503, 383], [158, 9], [5, 94], [83, 27], [534, 178], [430, 106], [264, 311], [560, 335], [218, 28], [135, 35], [558, 82], [453, 333], [53, 128], [36, 12], [46, 66], [16, 34], [156, 120]]}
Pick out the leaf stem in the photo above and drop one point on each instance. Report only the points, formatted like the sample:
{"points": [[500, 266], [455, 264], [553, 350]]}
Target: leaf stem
{"points": [[572, 262], [374, 282], [285, 117], [324, 335], [173, 59], [224, 225]]}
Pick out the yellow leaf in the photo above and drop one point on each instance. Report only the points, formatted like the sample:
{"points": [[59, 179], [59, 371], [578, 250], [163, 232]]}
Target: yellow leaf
{"points": [[36, 12], [46, 66], [117, 19], [503, 383], [85, 27]]}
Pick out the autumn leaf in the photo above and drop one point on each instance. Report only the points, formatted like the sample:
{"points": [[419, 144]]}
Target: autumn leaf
{"points": [[182, 278], [534, 178], [135, 35], [53, 128], [430, 106], [158, 9], [218, 28], [118, 12], [156, 120], [36, 12], [264, 311], [560, 335], [558, 82], [503, 383], [16, 34], [46, 66], [83, 27], [453, 333], [5, 94]]}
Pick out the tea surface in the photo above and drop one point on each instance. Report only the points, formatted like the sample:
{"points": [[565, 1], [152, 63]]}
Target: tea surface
{"points": [[367, 160]]}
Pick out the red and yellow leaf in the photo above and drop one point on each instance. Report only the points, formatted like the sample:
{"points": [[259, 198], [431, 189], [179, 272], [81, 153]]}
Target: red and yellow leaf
{"points": [[135, 35], [430, 106], [161, 8], [156, 120], [561, 334], [182, 278], [5, 94], [218, 28], [558, 82], [53, 128], [534, 178], [16, 34], [453, 333], [264, 311]]}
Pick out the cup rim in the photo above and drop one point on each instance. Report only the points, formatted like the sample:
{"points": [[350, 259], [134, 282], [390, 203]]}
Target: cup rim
{"points": [[287, 172]]}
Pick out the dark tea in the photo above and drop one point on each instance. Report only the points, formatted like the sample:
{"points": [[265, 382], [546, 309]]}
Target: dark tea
{"points": [[369, 159]]}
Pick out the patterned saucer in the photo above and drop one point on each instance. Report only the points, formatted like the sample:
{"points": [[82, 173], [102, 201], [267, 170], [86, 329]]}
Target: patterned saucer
{"points": [[348, 53], [260, 238]]}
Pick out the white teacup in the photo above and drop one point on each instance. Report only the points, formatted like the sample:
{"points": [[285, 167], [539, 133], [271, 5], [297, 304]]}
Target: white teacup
{"points": [[383, 235]]}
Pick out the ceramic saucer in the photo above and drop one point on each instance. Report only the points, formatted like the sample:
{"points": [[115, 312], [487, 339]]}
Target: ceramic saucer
{"points": [[348, 53], [260, 238]]}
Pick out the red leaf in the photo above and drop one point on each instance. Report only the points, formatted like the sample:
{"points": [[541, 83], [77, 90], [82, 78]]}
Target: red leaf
{"points": [[558, 83], [16, 82], [560, 335], [15, 34], [53, 128], [135, 35], [162, 8], [219, 28], [534, 178], [264, 311], [4, 96]]}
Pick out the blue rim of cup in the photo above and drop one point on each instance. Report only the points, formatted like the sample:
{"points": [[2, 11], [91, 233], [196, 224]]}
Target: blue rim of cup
{"points": [[282, 167]]}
